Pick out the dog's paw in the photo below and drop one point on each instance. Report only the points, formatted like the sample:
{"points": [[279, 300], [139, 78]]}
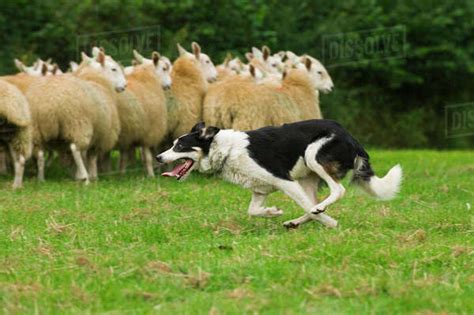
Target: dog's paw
{"points": [[272, 212], [291, 224], [317, 210]]}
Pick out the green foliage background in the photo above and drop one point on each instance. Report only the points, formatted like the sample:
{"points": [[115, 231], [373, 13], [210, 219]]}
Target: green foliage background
{"points": [[395, 102]]}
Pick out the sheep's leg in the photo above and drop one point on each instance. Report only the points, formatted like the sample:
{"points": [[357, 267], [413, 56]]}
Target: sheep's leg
{"points": [[40, 161], [19, 164], [3, 163], [81, 169], [148, 161], [92, 161], [105, 163], [124, 155]]}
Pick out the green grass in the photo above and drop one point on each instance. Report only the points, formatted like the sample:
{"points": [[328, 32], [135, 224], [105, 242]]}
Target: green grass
{"points": [[134, 245]]}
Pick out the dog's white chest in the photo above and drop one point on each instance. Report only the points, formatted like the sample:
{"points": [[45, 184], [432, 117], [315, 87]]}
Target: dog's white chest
{"points": [[242, 171]]}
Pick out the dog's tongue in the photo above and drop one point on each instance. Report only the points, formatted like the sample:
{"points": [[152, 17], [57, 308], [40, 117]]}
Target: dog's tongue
{"points": [[177, 169]]}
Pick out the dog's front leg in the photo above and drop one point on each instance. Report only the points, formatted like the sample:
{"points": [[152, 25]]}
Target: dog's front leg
{"points": [[256, 208]]}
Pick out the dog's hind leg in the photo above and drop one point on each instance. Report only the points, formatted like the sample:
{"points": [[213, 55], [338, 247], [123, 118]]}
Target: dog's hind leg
{"points": [[336, 189], [297, 193], [256, 208], [310, 186]]}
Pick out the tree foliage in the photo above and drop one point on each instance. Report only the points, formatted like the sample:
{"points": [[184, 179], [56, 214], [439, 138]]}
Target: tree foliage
{"points": [[394, 100]]}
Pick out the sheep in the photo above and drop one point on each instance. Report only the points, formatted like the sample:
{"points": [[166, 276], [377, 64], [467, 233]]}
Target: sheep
{"points": [[15, 128], [23, 81], [143, 112], [191, 74], [78, 111], [244, 105], [231, 66], [272, 64], [39, 68]]}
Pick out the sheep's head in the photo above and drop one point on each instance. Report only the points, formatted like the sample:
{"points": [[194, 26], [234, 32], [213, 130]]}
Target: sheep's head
{"points": [[319, 76], [274, 62], [235, 65], [112, 71], [162, 69], [39, 68], [208, 69]]}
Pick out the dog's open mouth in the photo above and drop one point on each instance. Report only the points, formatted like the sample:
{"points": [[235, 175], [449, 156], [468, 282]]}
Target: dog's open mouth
{"points": [[180, 171]]}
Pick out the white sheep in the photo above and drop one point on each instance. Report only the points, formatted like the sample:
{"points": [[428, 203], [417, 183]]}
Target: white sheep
{"points": [[77, 111], [15, 128], [191, 75]]}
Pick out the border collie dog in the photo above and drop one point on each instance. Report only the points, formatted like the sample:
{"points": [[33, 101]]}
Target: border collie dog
{"points": [[291, 158]]}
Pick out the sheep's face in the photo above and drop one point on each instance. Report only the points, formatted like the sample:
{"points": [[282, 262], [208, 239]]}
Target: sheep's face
{"points": [[207, 67], [235, 65], [163, 71], [114, 73], [319, 76], [192, 148], [274, 64]]}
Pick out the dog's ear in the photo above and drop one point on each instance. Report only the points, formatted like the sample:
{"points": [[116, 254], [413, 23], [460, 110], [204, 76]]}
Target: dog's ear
{"points": [[208, 133], [199, 126]]}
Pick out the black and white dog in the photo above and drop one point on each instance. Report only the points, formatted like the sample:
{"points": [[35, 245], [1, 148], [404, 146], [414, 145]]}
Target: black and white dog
{"points": [[291, 158]]}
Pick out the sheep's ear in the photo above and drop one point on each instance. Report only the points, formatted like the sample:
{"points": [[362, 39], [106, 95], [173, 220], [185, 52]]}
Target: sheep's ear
{"points": [[181, 50], [292, 56], [55, 68], [19, 65], [101, 58], [44, 69], [266, 52], [137, 56], [227, 59], [198, 127], [155, 56], [38, 63], [85, 58], [249, 56], [196, 50], [256, 53], [134, 62], [208, 132], [307, 63], [252, 70], [73, 66], [95, 51], [282, 55]]}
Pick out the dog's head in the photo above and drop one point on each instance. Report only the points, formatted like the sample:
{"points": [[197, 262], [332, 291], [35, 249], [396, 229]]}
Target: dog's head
{"points": [[192, 148]]}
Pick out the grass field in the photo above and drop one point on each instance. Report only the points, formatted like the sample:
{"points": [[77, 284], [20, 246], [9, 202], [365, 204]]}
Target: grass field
{"points": [[133, 245]]}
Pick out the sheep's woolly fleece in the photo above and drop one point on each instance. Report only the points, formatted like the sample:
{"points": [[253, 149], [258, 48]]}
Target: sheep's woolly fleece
{"points": [[67, 109], [145, 99], [184, 100], [241, 104], [14, 110]]}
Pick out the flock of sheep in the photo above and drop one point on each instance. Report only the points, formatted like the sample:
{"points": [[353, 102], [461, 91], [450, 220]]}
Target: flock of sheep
{"points": [[100, 106]]}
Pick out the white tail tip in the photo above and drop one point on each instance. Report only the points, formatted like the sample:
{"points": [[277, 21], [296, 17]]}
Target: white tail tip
{"points": [[387, 187]]}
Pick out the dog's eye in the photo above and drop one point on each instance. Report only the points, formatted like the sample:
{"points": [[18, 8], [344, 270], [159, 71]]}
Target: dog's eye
{"points": [[178, 147]]}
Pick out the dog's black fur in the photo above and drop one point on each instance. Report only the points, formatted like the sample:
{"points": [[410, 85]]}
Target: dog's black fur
{"points": [[277, 149]]}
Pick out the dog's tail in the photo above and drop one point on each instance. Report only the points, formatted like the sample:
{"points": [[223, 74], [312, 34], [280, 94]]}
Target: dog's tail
{"points": [[384, 188]]}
